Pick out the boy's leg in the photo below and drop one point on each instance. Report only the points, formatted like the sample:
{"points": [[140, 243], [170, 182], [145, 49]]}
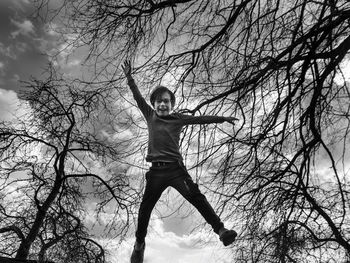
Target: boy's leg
{"points": [[137, 253], [188, 189], [153, 191]]}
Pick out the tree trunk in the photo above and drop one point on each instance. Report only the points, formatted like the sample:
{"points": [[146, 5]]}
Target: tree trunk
{"points": [[23, 250]]}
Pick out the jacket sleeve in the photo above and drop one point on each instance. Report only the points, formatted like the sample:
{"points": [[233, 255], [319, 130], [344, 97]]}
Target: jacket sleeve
{"points": [[145, 108], [204, 119]]}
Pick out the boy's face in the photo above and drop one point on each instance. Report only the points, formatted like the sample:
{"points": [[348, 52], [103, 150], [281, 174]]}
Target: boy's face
{"points": [[162, 104]]}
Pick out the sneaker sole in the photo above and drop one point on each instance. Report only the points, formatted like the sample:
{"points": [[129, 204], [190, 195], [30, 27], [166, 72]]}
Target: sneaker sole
{"points": [[229, 237]]}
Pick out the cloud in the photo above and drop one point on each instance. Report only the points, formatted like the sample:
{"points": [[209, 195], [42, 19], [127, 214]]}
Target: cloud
{"points": [[7, 51], [12, 108], [19, 50], [8, 104], [24, 28], [21, 4], [343, 75], [52, 29], [74, 63], [15, 78], [162, 246]]}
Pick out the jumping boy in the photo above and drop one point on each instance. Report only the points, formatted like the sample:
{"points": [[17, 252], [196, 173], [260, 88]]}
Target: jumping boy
{"points": [[164, 128]]}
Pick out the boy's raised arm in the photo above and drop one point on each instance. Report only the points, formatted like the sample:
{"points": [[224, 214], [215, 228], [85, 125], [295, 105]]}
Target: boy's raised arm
{"points": [[141, 102]]}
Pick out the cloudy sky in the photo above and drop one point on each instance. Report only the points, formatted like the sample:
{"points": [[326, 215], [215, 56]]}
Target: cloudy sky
{"points": [[18, 49], [23, 43], [25, 46]]}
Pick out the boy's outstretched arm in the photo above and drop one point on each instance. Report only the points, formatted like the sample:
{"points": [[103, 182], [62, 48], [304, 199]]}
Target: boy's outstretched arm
{"points": [[207, 119], [141, 102]]}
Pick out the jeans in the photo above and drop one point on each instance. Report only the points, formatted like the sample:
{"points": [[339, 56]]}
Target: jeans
{"points": [[176, 176]]}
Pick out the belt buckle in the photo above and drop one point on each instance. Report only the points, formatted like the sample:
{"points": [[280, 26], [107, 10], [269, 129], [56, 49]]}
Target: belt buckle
{"points": [[159, 164]]}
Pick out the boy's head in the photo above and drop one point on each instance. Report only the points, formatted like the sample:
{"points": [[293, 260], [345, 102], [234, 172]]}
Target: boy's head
{"points": [[162, 100]]}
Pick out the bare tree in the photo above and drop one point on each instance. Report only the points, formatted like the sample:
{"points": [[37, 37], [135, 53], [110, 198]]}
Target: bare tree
{"points": [[277, 65], [48, 158]]}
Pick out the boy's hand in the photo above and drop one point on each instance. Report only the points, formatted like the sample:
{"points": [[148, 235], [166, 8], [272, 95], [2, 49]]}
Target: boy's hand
{"points": [[231, 119], [127, 68]]}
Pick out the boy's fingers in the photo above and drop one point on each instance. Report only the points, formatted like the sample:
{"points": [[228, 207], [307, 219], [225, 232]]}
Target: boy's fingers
{"points": [[126, 67], [232, 120]]}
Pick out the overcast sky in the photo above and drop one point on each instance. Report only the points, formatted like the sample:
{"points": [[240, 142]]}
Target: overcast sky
{"points": [[25, 44], [22, 44]]}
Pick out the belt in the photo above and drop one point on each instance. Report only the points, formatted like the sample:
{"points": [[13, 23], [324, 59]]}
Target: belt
{"points": [[160, 164]]}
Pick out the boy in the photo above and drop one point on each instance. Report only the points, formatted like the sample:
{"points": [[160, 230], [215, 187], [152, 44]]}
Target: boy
{"points": [[164, 128]]}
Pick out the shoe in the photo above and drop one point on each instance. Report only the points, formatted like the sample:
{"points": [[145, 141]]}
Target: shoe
{"points": [[137, 253], [227, 236]]}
